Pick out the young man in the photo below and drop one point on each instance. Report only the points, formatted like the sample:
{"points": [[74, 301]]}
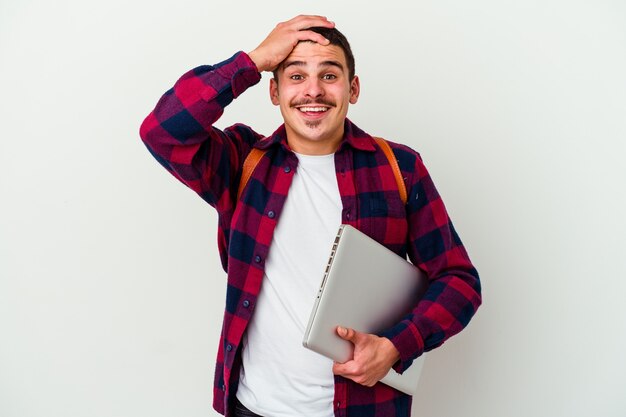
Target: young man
{"points": [[319, 170]]}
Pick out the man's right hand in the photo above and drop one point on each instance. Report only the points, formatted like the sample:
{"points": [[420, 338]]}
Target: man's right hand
{"points": [[285, 36]]}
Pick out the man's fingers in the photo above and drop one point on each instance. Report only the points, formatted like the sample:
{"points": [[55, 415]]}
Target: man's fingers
{"points": [[352, 370], [303, 22], [285, 36], [373, 357], [347, 369], [307, 21], [309, 35], [347, 334], [339, 369]]}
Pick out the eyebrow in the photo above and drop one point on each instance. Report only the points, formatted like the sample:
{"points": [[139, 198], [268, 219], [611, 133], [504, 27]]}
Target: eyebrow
{"points": [[329, 63]]}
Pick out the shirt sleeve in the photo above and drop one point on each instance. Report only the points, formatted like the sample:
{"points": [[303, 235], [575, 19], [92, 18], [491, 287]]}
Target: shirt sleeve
{"points": [[454, 291], [179, 132]]}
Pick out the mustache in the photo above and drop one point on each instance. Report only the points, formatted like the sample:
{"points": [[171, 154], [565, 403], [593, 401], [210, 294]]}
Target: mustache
{"points": [[319, 101]]}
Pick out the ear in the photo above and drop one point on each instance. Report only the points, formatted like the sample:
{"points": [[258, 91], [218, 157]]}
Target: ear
{"points": [[274, 92], [355, 89]]}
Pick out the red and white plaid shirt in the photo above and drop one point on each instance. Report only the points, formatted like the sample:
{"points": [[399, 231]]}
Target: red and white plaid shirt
{"points": [[180, 135]]}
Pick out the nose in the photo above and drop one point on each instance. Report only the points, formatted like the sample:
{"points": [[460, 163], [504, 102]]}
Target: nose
{"points": [[314, 87]]}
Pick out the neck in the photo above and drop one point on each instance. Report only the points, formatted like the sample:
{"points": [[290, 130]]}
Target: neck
{"points": [[315, 146]]}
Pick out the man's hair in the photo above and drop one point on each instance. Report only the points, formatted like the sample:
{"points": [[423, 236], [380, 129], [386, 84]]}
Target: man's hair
{"points": [[338, 39]]}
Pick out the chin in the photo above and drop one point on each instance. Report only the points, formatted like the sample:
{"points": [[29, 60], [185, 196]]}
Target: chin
{"points": [[313, 125]]}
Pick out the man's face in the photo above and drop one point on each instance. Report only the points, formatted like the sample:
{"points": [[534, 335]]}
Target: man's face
{"points": [[314, 91]]}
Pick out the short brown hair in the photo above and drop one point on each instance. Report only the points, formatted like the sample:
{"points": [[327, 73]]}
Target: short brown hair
{"points": [[338, 39]]}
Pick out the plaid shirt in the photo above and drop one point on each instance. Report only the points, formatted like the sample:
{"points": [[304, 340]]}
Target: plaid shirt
{"points": [[180, 135]]}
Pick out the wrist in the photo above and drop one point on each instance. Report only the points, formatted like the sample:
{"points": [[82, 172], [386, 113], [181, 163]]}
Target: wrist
{"points": [[257, 60], [390, 351]]}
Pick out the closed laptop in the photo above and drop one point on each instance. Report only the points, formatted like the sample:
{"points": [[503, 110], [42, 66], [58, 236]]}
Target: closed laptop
{"points": [[369, 288]]}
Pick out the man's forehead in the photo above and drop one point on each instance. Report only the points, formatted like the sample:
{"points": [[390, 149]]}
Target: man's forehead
{"points": [[312, 53]]}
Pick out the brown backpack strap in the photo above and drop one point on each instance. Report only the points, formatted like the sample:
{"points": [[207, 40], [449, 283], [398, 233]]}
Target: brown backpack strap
{"points": [[394, 166], [255, 155], [249, 164]]}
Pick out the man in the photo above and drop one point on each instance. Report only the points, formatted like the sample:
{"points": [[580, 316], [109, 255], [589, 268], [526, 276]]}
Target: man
{"points": [[319, 170]]}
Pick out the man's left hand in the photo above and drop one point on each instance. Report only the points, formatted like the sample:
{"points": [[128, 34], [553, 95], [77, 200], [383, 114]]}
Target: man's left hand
{"points": [[372, 359]]}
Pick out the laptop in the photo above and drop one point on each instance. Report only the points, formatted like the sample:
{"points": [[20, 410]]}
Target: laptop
{"points": [[369, 288]]}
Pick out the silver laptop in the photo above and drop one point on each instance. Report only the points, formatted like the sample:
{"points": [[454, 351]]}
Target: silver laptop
{"points": [[369, 288]]}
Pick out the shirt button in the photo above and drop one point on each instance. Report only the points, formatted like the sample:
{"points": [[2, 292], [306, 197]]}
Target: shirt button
{"points": [[348, 214], [271, 214], [257, 259], [229, 348], [246, 303], [287, 170]]}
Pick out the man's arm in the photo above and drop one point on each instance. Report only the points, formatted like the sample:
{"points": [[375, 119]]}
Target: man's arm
{"points": [[179, 132], [452, 298], [454, 291]]}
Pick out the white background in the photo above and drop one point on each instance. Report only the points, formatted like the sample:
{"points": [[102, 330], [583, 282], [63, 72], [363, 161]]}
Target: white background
{"points": [[111, 293]]}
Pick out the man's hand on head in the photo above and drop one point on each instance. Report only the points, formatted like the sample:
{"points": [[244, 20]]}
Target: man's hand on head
{"points": [[373, 357], [285, 36]]}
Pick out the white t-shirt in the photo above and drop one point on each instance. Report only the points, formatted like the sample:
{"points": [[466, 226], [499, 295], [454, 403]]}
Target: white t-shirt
{"points": [[279, 377]]}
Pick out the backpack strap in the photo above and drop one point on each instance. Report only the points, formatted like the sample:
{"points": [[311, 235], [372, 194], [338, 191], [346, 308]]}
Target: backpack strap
{"points": [[255, 155], [249, 164], [384, 145]]}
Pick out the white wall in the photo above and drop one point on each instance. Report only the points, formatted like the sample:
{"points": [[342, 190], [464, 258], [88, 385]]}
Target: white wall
{"points": [[110, 288]]}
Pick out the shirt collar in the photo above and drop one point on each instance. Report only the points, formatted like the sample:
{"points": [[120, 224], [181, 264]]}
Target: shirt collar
{"points": [[353, 136]]}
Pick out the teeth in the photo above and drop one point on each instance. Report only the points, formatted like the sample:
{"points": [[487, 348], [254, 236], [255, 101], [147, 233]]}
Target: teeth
{"points": [[313, 109]]}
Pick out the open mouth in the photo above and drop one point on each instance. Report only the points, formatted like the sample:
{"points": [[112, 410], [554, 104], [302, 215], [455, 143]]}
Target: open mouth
{"points": [[313, 111]]}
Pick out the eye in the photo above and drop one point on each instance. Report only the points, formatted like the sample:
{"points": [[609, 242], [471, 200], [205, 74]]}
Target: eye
{"points": [[329, 77], [296, 77]]}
